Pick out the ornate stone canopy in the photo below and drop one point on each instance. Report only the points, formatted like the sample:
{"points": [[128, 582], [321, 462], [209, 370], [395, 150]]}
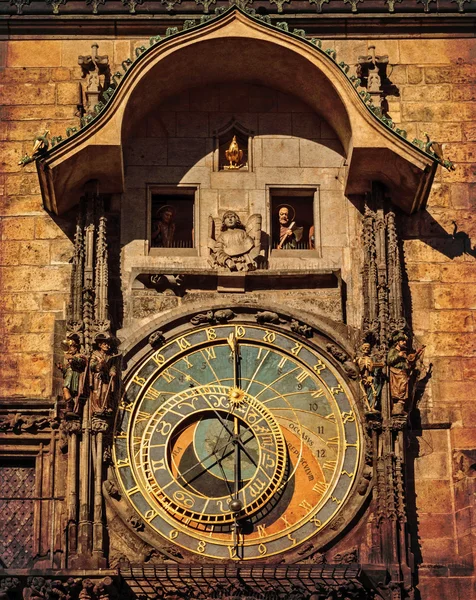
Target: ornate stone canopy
{"points": [[208, 53]]}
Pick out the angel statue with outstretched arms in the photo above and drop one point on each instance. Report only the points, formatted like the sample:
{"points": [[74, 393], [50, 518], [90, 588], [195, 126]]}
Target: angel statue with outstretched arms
{"points": [[235, 247]]}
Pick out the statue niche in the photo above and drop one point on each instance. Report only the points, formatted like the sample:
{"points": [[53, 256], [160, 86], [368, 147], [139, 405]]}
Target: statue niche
{"points": [[235, 247]]}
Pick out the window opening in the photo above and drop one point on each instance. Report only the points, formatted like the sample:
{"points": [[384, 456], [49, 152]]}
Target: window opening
{"points": [[292, 220], [172, 220]]}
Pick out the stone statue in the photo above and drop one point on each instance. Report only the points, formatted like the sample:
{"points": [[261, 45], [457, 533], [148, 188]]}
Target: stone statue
{"points": [[73, 369], [102, 375], [402, 366], [236, 247], [163, 235], [289, 233], [370, 378]]}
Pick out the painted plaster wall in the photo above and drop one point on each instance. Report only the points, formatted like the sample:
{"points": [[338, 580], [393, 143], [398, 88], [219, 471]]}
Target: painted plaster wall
{"points": [[436, 86]]}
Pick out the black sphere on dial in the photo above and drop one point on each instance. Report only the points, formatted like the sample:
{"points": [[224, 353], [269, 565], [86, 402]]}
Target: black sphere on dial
{"points": [[236, 506]]}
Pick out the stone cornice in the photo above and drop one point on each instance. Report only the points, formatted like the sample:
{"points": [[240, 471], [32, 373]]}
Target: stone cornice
{"points": [[327, 26]]}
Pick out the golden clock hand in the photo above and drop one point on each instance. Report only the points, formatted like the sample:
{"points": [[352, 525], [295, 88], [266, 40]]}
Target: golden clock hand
{"points": [[233, 343], [235, 505]]}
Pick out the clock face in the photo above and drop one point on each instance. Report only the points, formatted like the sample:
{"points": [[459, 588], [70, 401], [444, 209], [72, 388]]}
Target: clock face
{"points": [[237, 441]]}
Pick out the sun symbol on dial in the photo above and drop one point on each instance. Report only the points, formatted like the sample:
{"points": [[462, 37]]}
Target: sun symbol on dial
{"points": [[236, 396]]}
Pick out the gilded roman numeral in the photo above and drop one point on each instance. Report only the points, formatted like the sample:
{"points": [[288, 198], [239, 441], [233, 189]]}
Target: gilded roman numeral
{"points": [[302, 376], [333, 441], [261, 531], [317, 393], [152, 394], [143, 416], [167, 376], [187, 362], [210, 352], [330, 465], [285, 521], [305, 504], [320, 487]]}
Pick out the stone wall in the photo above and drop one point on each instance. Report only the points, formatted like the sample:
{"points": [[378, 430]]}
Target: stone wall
{"points": [[436, 93], [289, 146]]}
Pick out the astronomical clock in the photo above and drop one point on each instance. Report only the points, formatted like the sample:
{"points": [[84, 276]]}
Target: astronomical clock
{"points": [[238, 441]]}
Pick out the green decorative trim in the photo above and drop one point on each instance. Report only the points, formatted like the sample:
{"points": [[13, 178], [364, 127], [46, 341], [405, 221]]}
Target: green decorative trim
{"points": [[283, 26], [279, 4], [95, 4], [55, 4], [426, 4], [21, 3], [319, 4], [132, 5], [353, 4]]}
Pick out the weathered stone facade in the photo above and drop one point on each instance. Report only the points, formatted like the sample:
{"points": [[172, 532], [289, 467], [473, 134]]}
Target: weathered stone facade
{"points": [[169, 141]]}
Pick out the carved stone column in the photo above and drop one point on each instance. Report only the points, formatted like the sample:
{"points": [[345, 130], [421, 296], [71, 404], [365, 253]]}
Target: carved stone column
{"points": [[72, 427], [88, 317], [383, 316]]}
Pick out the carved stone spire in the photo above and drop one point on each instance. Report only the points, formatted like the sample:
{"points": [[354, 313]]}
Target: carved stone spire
{"points": [[75, 308]]}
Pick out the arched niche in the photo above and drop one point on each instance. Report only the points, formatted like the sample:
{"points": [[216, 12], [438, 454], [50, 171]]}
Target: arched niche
{"points": [[235, 47]]}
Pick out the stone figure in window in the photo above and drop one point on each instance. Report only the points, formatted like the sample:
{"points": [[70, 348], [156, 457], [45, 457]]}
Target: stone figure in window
{"points": [[103, 373], [370, 377], [236, 247], [164, 231], [401, 361], [288, 234], [73, 369]]}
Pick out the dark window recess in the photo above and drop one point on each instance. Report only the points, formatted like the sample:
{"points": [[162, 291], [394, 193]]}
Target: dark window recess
{"points": [[293, 212], [172, 221], [17, 488]]}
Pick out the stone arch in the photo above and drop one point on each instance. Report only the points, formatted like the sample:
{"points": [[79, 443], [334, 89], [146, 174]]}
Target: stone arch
{"points": [[237, 47]]}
